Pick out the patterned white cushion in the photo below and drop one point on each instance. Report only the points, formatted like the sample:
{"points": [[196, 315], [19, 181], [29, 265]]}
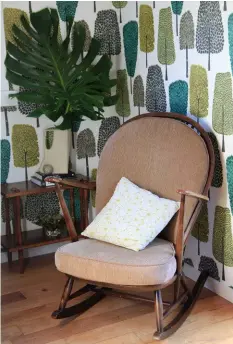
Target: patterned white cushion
{"points": [[132, 218]]}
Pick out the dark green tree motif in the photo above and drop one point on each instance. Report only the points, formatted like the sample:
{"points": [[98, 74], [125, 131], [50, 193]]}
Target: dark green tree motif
{"points": [[138, 93], [177, 9], [7, 109], [155, 91], [11, 209], [224, 6], [178, 95], [218, 175], [5, 160], [86, 147], [222, 238], [27, 108], [230, 179], [210, 34], [120, 5], [122, 105], [209, 265], [49, 136], [189, 262], [166, 47], [146, 30], [77, 209], [37, 206], [93, 193], [200, 230], [230, 39], [187, 35], [198, 92], [25, 146], [107, 128], [107, 32], [130, 35], [87, 41], [66, 9], [222, 115]]}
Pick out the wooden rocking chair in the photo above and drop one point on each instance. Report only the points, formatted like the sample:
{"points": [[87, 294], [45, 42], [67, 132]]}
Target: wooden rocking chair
{"points": [[167, 154]]}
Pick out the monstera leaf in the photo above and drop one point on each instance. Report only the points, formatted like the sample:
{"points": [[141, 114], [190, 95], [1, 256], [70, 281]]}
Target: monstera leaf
{"points": [[52, 72]]}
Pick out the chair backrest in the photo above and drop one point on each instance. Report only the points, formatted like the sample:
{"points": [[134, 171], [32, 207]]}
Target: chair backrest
{"points": [[160, 152]]}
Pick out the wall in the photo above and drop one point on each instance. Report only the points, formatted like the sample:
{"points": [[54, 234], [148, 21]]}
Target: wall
{"points": [[211, 87]]}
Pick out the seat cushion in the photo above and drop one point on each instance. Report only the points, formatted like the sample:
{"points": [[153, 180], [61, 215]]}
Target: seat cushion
{"points": [[98, 261]]}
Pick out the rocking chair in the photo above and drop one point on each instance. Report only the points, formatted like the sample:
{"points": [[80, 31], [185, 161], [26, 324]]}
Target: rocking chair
{"points": [[167, 154]]}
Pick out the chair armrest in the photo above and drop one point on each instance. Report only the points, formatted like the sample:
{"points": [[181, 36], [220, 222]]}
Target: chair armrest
{"points": [[84, 184], [193, 194]]}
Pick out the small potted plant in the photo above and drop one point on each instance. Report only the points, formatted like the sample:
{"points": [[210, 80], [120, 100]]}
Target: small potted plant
{"points": [[53, 225]]}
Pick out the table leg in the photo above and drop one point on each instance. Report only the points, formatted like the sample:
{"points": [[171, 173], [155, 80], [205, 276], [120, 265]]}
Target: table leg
{"points": [[18, 233], [8, 231]]}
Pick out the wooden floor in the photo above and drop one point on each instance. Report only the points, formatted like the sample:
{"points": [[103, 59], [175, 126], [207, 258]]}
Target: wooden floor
{"points": [[29, 299]]}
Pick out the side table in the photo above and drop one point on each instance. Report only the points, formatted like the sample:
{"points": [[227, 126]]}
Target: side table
{"points": [[17, 240]]}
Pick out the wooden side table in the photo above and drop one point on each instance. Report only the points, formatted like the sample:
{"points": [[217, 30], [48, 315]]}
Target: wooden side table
{"points": [[17, 240]]}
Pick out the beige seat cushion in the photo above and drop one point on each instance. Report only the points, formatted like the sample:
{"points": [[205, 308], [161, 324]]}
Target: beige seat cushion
{"points": [[94, 260]]}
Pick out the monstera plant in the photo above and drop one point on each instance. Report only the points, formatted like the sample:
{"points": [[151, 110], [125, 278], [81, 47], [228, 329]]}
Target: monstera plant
{"points": [[53, 73]]}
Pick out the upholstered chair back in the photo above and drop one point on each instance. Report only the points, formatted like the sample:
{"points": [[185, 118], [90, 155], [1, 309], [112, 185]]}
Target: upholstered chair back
{"points": [[159, 153]]}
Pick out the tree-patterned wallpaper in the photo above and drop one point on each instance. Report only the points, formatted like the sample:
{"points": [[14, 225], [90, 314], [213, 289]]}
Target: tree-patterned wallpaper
{"points": [[167, 56]]}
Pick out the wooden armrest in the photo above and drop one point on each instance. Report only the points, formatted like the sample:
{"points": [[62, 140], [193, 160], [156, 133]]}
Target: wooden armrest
{"points": [[193, 194], [84, 184]]}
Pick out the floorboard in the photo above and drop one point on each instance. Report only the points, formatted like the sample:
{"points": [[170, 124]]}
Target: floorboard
{"points": [[29, 299]]}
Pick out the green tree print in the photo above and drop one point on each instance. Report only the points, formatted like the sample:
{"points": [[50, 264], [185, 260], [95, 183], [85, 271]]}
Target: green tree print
{"points": [[38, 206], [107, 128], [66, 9], [25, 146], [87, 41], [120, 5], [230, 179], [138, 93], [86, 147], [200, 230], [222, 113], [146, 30], [7, 109], [49, 136], [210, 34], [27, 108], [77, 209], [155, 91], [5, 160], [107, 32], [130, 35], [122, 105], [208, 264], [166, 47], [178, 96], [223, 238], [177, 9], [187, 35], [218, 175], [93, 193], [230, 39], [198, 92]]}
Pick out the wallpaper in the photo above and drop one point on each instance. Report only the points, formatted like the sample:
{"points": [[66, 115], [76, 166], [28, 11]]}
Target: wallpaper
{"points": [[167, 56]]}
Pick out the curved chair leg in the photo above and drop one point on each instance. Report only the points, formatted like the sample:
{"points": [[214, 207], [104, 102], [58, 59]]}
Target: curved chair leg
{"points": [[179, 319], [159, 310], [65, 312], [65, 298]]}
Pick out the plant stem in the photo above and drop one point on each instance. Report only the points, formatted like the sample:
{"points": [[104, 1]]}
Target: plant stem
{"points": [[136, 9], [120, 16], [209, 53], [225, 6], [87, 167], [146, 53], [25, 166], [131, 86], [37, 123], [94, 6], [6, 121], [187, 62]]}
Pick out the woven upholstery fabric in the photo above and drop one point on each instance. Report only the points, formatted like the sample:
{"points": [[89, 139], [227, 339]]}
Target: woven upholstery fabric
{"points": [[102, 262], [157, 154]]}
